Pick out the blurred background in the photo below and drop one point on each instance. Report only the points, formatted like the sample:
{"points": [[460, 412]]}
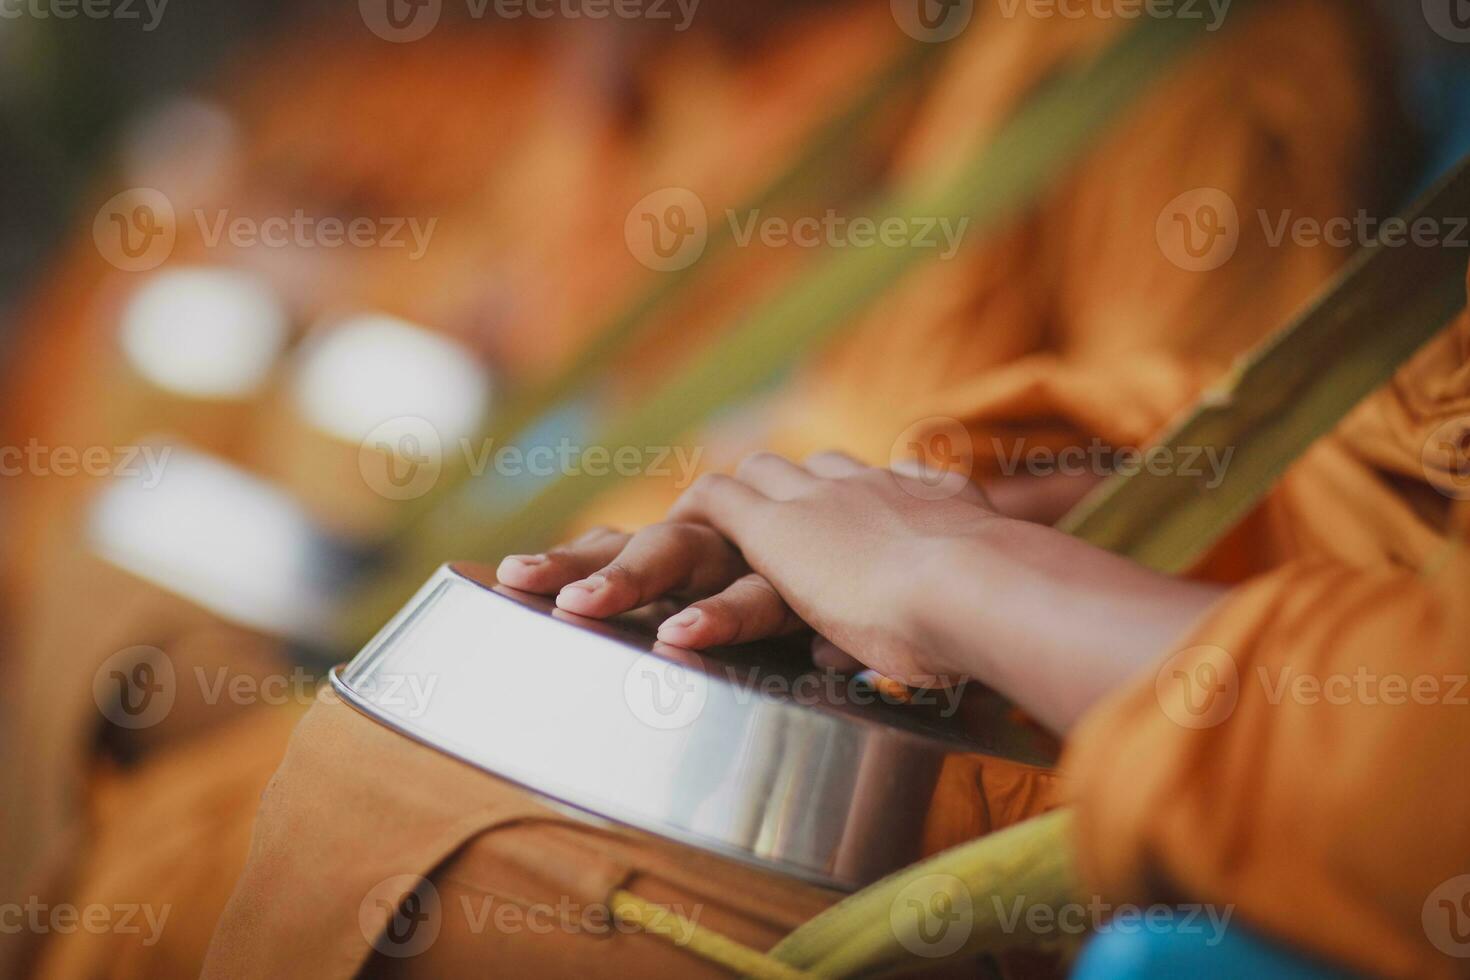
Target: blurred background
{"points": [[301, 297]]}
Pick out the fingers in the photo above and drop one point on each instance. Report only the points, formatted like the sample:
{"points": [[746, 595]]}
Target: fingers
{"points": [[663, 559], [750, 609], [835, 466], [774, 476], [547, 573]]}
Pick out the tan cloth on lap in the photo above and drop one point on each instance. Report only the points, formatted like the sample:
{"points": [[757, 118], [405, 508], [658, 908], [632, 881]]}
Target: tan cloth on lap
{"points": [[357, 812]]}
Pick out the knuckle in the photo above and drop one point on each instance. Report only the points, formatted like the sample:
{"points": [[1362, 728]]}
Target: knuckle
{"points": [[706, 482], [676, 536], [709, 485], [622, 577], [617, 570], [563, 553], [756, 461], [718, 609], [757, 588]]}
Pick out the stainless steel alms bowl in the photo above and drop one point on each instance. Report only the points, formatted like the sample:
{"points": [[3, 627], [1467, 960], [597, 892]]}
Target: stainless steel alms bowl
{"points": [[748, 752]]}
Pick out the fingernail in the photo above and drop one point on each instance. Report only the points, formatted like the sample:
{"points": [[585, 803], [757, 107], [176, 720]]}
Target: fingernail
{"points": [[681, 621], [527, 560], [590, 584]]}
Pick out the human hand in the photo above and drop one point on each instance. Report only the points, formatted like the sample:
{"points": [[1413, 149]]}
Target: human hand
{"points": [[832, 544]]}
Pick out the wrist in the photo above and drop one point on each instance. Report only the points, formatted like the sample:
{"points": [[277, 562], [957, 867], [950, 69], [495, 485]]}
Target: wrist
{"points": [[1052, 622], [950, 597]]}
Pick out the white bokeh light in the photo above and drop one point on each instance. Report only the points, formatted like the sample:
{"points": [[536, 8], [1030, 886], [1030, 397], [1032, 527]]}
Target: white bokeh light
{"points": [[221, 537], [372, 369], [204, 332]]}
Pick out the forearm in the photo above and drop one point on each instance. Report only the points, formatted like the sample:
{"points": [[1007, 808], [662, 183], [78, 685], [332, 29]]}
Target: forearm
{"points": [[1050, 621]]}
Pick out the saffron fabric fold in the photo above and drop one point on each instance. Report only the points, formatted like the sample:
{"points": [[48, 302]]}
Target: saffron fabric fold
{"points": [[1300, 757]]}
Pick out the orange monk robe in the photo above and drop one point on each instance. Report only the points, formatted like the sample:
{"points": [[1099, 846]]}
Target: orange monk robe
{"points": [[1317, 784]]}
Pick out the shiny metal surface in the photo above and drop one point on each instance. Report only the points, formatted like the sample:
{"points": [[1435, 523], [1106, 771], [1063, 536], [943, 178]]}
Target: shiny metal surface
{"points": [[750, 752]]}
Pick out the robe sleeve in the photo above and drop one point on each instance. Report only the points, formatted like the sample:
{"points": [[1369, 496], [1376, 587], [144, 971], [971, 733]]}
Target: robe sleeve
{"points": [[1303, 759]]}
